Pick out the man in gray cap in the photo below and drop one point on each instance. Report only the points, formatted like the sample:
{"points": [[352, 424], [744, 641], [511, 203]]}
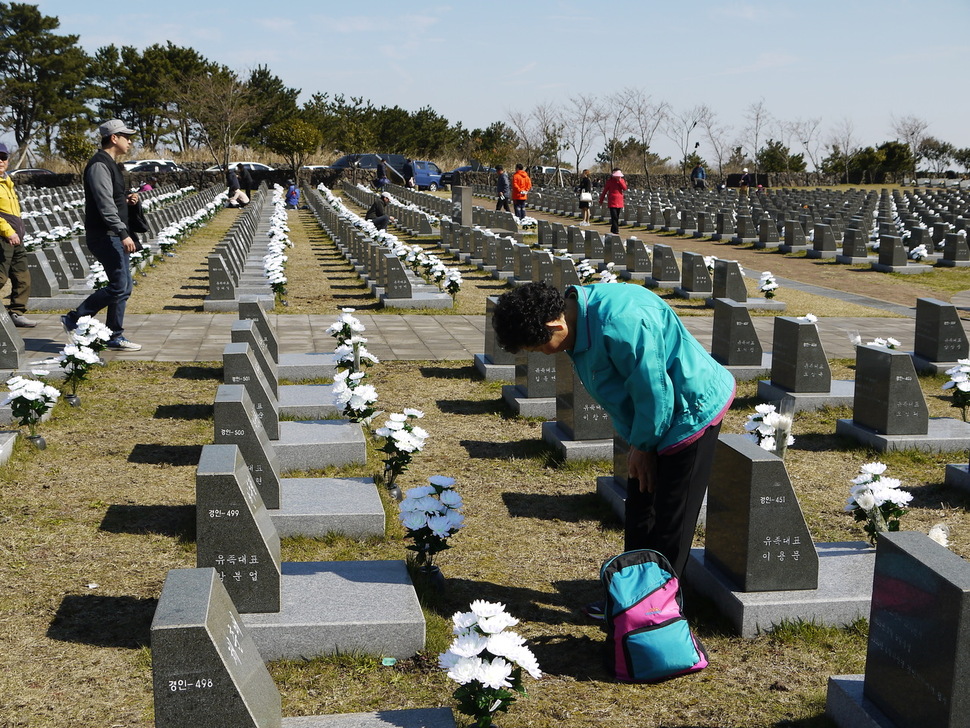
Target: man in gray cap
{"points": [[106, 229]]}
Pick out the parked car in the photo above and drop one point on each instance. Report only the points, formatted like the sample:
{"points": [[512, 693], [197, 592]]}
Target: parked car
{"points": [[447, 177], [251, 166], [30, 172], [427, 175], [369, 161], [152, 165]]}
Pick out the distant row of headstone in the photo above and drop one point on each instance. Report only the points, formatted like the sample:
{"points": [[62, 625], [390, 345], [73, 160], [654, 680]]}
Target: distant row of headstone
{"points": [[58, 270], [393, 283], [236, 266], [215, 625]]}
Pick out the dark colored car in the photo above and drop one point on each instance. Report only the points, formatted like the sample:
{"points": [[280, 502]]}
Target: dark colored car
{"points": [[154, 165], [447, 177], [369, 161], [30, 172]]}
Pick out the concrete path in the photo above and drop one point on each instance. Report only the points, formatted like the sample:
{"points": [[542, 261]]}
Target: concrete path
{"points": [[202, 337]]}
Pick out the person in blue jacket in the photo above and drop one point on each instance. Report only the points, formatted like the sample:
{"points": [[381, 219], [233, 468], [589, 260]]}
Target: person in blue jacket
{"points": [[292, 199], [665, 394]]}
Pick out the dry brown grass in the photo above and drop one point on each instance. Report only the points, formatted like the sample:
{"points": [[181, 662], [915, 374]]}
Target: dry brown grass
{"points": [[110, 503]]}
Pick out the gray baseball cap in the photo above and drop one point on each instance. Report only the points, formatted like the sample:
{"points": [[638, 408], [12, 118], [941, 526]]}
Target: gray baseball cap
{"points": [[114, 126]]}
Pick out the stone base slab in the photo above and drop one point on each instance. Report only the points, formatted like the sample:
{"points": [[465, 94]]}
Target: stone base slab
{"points": [[843, 594], [684, 293], [7, 440], [634, 275], [842, 392], [909, 268], [946, 263], [943, 435], [413, 718], [857, 260], [540, 407], [745, 372], [651, 282], [316, 444], [849, 708], [267, 301], [925, 366], [957, 476], [345, 607], [419, 300], [572, 450], [755, 304], [494, 372], [301, 367], [306, 401], [315, 507], [821, 254]]}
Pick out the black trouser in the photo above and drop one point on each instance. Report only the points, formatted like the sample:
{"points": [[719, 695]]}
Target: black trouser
{"points": [[502, 204], [381, 222], [665, 519], [615, 220]]}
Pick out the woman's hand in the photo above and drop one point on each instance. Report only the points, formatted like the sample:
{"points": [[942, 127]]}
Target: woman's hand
{"points": [[642, 465]]}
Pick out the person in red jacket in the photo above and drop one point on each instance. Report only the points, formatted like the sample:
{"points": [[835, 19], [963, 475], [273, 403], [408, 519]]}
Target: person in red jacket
{"points": [[521, 184], [612, 192]]}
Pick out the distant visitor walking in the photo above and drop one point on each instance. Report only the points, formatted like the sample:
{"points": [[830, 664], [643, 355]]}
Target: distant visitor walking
{"points": [[612, 192], [521, 184]]}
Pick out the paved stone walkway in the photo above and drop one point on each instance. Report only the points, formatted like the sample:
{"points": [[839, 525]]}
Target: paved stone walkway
{"points": [[202, 337]]}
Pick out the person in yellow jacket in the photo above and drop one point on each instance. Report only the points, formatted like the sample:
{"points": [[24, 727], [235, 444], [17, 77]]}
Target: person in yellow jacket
{"points": [[13, 257]]}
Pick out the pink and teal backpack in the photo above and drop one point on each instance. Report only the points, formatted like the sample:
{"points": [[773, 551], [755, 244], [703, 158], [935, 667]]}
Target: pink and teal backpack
{"points": [[648, 639]]}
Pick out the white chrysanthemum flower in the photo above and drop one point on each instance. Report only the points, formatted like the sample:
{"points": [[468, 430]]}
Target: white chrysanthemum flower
{"points": [[451, 499], [940, 533], [865, 499], [496, 674], [873, 468], [466, 669], [413, 520], [462, 621], [497, 623], [442, 481], [469, 645]]}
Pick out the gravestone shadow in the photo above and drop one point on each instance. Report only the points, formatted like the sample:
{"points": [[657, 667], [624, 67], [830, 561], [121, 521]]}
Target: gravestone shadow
{"points": [[154, 454], [474, 407], [103, 621], [488, 449], [175, 521], [568, 508], [183, 412], [198, 373], [448, 372]]}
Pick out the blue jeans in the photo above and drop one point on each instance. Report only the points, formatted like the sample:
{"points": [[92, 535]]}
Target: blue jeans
{"points": [[519, 206], [114, 296]]}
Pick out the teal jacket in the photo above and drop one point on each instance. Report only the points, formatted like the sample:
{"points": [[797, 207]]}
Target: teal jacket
{"points": [[638, 361]]}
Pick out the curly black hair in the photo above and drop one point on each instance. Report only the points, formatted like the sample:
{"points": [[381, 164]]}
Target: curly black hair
{"points": [[521, 315]]}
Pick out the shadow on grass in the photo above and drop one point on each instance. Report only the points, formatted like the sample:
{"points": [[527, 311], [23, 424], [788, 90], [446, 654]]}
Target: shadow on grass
{"points": [[474, 407], [469, 372], [154, 454], [568, 508], [175, 521], [183, 412], [490, 450], [198, 373], [101, 621]]}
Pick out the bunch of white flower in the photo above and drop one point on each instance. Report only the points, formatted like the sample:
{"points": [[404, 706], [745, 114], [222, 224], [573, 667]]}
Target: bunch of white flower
{"points": [[354, 398], [889, 342], [709, 262], [30, 399], [346, 326], [765, 426], [809, 318], [585, 271], [919, 252], [453, 281], [527, 222], [487, 660], [767, 284], [97, 278], [877, 500], [353, 355], [91, 333], [402, 439], [960, 384], [608, 276], [431, 516], [76, 361]]}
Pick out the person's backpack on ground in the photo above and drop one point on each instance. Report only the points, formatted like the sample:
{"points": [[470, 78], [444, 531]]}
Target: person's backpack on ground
{"points": [[648, 639]]}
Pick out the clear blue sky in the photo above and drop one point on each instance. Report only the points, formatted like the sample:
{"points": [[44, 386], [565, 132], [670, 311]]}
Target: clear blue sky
{"points": [[865, 60]]}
